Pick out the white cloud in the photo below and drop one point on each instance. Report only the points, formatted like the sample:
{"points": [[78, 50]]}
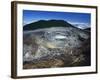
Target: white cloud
{"points": [[80, 25]]}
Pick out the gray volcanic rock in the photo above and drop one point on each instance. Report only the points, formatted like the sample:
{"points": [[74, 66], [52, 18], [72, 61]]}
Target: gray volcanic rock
{"points": [[63, 45]]}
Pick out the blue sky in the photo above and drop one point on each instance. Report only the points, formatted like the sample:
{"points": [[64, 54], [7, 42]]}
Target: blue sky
{"points": [[32, 16]]}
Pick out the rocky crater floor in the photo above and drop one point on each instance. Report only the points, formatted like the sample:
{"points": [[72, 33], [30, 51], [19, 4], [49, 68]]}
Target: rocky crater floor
{"points": [[56, 47]]}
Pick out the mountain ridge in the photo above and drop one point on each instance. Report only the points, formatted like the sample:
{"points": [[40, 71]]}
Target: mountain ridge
{"points": [[46, 24]]}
